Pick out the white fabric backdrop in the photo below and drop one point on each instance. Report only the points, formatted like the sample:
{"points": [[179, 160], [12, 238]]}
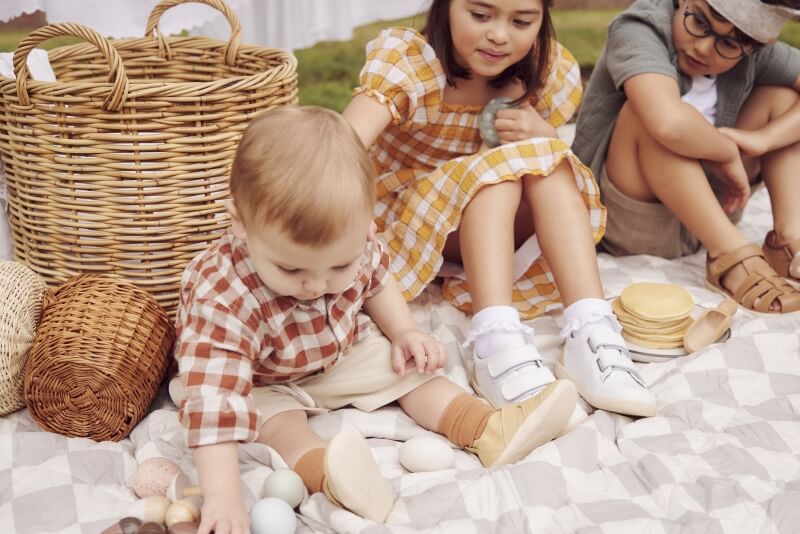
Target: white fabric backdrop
{"points": [[289, 24]]}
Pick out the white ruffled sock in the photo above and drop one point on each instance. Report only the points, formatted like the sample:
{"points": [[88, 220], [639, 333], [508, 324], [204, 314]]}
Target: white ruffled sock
{"points": [[591, 314], [497, 329]]}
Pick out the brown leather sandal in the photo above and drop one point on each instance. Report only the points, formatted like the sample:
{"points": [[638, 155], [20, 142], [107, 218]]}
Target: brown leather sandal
{"points": [[761, 287], [785, 259]]}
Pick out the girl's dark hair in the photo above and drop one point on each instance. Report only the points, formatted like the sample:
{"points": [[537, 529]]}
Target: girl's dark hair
{"points": [[531, 70]]}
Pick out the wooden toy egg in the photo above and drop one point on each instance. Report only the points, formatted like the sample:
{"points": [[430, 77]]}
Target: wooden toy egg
{"points": [[284, 484], [129, 525], [487, 117], [182, 511], [181, 487], [153, 477], [272, 516], [152, 508], [426, 454]]}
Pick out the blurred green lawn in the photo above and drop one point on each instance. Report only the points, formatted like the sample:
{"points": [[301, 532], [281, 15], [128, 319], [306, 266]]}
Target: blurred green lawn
{"points": [[328, 71]]}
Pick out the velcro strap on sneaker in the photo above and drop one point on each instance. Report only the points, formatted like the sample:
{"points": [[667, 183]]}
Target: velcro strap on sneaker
{"points": [[612, 354], [506, 361], [606, 339], [525, 381]]}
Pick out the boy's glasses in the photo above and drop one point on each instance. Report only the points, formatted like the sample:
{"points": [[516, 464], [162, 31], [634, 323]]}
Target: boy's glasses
{"points": [[726, 46]]}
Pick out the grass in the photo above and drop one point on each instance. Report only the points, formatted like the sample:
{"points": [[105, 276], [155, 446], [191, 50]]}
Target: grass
{"points": [[328, 71]]}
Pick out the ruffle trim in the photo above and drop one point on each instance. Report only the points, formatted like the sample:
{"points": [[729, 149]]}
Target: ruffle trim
{"points": [[499, 326], [382, 98], [586, 319]]}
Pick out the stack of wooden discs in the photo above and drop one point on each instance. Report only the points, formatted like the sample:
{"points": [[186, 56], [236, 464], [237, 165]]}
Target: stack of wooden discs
{"points": [[654, 315]]}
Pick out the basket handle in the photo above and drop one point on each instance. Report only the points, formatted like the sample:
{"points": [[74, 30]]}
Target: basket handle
{"points": [[232, 48], [119, 89]]}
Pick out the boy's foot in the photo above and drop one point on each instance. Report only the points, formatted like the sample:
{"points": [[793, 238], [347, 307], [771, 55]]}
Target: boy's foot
{"points": [[513, 376], [784, 258], [598, 363], [515, 430], [745, 276], [353, 479]]}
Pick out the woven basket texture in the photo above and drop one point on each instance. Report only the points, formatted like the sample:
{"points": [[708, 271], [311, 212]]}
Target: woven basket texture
{"points": [[100, 354], [121, 166], [22, 294]]}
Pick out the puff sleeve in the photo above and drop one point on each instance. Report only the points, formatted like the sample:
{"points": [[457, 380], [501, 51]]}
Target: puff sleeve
{"points": [[402, 72], [558, 100]]}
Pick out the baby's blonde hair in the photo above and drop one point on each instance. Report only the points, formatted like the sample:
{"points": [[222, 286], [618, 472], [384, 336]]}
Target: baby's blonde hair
{"points": [[304, 169]]}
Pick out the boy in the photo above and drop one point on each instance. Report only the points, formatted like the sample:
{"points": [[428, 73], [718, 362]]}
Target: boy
{"points": [[271, 327], [692, 101]]}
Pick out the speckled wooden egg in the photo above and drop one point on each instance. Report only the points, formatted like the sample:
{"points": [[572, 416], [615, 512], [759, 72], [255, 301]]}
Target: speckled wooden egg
{"points": [[284, 484], [426, 454], [153, 477], [486, 120], [272, 516]]}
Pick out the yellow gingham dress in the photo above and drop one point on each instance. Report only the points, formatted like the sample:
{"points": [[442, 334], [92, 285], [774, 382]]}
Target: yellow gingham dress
{"points": [[429, 169]]}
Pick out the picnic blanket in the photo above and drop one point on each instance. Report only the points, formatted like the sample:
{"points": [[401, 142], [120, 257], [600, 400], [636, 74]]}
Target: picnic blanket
{"points": [[721, 455]]}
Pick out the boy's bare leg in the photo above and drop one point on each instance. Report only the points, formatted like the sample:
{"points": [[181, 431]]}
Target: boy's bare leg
{"points": [[643, 169], [564, 232], [427, 403], [290, 434], [778, 168]]}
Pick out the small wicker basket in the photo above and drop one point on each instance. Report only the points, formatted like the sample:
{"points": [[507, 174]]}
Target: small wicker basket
{"points": [[22, 293], [96, 363], [121, 165]]}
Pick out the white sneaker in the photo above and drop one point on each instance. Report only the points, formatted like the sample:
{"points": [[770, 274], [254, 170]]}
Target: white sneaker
{"points": [[513, 376], [601, 368]]}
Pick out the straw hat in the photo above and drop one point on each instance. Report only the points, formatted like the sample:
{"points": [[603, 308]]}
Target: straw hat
{"points": [[22, 293]]}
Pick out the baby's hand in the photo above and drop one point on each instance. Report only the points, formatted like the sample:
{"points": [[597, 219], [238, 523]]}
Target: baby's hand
{"points": [[427, 352], [223, 515], [520, 123]]}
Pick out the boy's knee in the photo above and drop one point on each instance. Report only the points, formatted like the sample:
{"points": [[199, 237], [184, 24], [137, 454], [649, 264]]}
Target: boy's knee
{"points": [[777, 99]]}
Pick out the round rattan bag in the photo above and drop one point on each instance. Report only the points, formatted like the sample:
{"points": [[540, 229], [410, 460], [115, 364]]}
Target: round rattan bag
{"points": [[22, 293], [98, 358]]}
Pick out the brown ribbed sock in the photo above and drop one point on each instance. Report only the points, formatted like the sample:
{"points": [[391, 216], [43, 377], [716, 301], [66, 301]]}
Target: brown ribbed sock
{"points": [[464, 420], [311, 469]]}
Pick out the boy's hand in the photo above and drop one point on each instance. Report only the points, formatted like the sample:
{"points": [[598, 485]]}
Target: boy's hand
{"points": [[427, 352], [750, 143], [223, 514], [738, 190], [520, 123]]}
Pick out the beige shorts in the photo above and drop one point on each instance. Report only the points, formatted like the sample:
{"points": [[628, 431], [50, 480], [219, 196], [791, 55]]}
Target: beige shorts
{"points": [[362, 377], [637, 227]]}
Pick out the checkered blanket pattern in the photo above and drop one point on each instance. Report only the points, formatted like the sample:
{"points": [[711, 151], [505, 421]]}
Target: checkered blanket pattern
{"points": [[722, 455]]}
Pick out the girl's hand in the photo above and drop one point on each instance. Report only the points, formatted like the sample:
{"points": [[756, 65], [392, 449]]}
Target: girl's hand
{"points": [[222, 514], [427, 353], [520, 123], [750, 143]]}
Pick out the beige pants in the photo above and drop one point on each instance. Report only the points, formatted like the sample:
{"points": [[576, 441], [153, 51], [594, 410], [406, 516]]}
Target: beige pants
{"points": [[362, 377], [637, 227]]}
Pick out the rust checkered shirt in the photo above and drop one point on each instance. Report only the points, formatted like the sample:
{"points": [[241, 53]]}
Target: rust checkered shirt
{"points": [[234, 333]]}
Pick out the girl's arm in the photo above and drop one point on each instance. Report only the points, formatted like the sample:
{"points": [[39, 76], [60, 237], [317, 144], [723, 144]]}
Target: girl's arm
{"points": [[368, 116], [675, 124]]}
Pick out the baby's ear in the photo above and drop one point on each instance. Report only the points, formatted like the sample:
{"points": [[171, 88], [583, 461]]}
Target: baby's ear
{"points": [[237, 226], [373, 231]]}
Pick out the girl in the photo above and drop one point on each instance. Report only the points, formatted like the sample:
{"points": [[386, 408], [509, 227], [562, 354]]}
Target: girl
{"points": [[518, 222]]}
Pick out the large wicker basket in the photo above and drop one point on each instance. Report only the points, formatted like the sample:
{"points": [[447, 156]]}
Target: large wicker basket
{"points": [[98, 358], [121, 166]]}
